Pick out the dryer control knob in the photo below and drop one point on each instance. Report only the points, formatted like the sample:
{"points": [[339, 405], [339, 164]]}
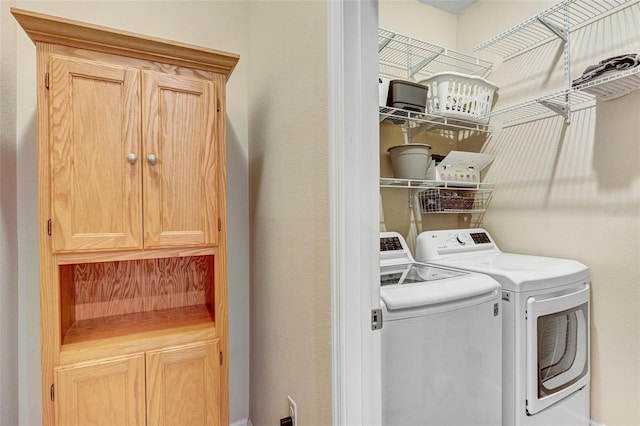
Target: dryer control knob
{"points": [[460, 239]]}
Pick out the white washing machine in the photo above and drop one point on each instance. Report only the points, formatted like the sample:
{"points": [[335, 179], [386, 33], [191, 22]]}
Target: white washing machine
{"points": [[441, 342], [546, 328]]}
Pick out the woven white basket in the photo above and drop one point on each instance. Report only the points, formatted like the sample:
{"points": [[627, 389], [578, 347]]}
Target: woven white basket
{"points": [[459, 96]]}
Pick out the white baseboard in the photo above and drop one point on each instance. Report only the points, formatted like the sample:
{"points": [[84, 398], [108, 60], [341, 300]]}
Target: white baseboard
{"points": [[594, 423], [241, 422]]}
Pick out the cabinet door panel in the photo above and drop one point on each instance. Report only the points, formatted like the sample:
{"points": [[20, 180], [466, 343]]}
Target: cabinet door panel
{"points": [[180, 188], [183, 386], [96, 193], [102, 394]]}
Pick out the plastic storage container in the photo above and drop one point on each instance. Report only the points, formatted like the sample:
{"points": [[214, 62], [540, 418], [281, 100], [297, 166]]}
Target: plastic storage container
{"points": [[460, 96], [407, 95], [410, 161]]}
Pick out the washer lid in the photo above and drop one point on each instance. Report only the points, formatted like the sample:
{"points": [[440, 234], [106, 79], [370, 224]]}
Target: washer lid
{"points": [[414, 273], [416, 285], [520, 272]]}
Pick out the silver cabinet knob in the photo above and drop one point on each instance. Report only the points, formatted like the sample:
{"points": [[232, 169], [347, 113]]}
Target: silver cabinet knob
{"points": [[152, 159], [132, 158]]}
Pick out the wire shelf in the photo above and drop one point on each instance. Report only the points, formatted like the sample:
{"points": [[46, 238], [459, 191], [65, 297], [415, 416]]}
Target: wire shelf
{"points": [[401, 56], [425, 183], [613, 85], [605, 88], [421, 122], [539, 29]]}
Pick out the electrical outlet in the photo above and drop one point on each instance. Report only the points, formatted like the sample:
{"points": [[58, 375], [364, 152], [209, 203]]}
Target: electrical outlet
{"points": [[293, 411]]}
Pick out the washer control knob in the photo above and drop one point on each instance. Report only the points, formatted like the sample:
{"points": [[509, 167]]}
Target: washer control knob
{"points": [[460, 239]]}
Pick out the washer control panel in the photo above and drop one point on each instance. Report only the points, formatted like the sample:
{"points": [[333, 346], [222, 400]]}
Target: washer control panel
{"points": [[390, 244], [480, 237], [461, 237], [431, 245], [394, 249]]}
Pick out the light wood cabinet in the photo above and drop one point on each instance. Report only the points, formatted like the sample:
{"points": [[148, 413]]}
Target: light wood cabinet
{"points": [[96, 194], [106, 393], [132, 216], [181, 382], [123, 162], [171, 386], [180, 161]]}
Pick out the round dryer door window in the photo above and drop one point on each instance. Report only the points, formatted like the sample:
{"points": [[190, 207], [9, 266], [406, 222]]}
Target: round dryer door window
{"points": [[557, 347]]}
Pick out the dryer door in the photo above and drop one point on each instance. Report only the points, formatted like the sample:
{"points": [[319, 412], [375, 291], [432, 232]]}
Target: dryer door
{"points": [[557, 347]]}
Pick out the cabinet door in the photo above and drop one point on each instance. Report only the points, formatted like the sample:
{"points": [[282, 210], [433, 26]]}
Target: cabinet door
{"points": [[180, 172], [183, 386], [96, 185], [103, 394]]}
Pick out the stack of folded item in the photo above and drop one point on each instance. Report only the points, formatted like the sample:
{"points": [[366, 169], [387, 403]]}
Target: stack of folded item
{"points": [[608, 66]]}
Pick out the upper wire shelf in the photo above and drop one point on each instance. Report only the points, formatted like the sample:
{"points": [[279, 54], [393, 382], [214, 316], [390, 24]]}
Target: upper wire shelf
{"points": [[554, 23], [401, 56], [550, 24]]}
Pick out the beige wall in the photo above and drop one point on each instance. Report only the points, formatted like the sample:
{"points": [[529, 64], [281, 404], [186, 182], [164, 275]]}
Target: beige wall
{"points": [[567, 191], [290, 305], [8, 224], [415, 19], [219, 25]]}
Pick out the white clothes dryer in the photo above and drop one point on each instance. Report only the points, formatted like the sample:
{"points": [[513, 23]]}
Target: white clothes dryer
{"points": [[441, 342], [546, 330]]}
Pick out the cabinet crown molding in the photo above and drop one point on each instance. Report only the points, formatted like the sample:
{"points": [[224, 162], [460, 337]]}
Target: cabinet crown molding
{"points": [[51, 29]]}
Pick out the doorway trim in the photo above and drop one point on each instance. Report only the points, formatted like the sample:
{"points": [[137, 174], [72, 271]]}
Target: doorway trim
{"points": [[352, 58]]}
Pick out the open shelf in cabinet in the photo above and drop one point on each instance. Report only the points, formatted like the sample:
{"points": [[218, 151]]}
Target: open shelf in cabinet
{"points": [[111, 300], [154, 322]]}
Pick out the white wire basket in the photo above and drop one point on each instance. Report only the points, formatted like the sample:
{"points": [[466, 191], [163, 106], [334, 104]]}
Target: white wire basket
{"points": [[438, 200], [460, 96]]}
